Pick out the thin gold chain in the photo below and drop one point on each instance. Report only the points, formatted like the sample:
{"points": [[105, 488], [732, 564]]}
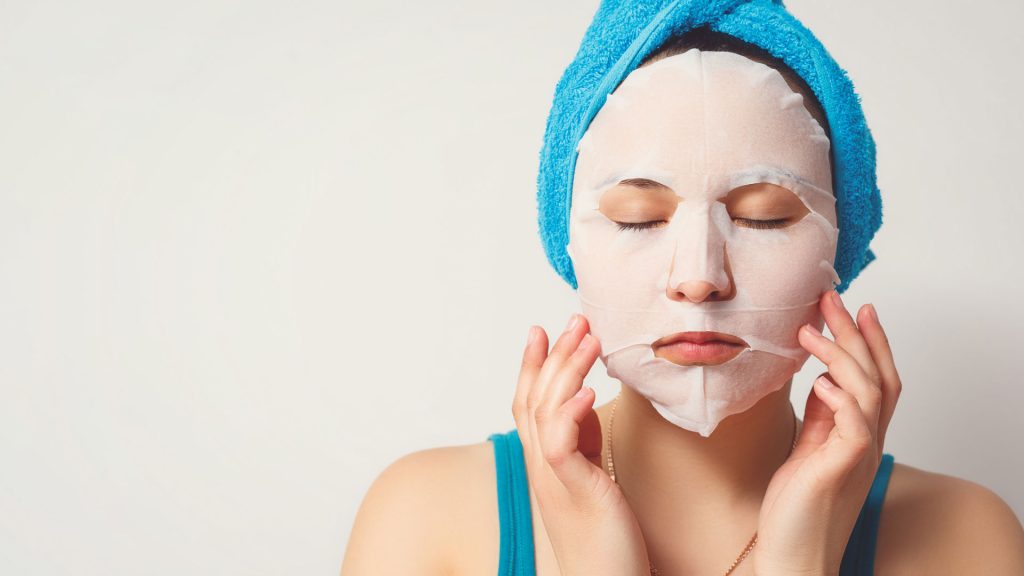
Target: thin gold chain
{"points": [[611, 472]]}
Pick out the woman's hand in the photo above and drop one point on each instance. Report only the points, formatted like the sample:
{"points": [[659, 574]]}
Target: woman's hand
{"points": [[591, 526], [813, 500]]}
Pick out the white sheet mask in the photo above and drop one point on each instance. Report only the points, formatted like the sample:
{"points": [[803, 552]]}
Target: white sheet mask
{"points": [[703, 123]]}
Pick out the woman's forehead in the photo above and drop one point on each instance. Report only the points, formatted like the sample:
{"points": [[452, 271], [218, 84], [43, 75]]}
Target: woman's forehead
{"points": [[796, 84], [705, 112]]}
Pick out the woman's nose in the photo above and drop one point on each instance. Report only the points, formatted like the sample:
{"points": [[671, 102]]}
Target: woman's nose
{"points": [[699, 270], [697, 291]]}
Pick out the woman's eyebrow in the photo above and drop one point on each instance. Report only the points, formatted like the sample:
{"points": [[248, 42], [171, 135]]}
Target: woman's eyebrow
{"points": [[642, 183], [652, 179]]}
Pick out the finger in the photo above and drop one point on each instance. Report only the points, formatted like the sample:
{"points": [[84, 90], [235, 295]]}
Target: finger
{"points": [[818, 424], [533, 359], [564, 387], [570, 377], [847, 334], [567, 342], [564, 345], [845, 371], [560, 436], [852, 437], [881, 350]]}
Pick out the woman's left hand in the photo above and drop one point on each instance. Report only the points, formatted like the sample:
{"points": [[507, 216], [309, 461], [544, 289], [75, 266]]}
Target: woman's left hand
{"points": [[814, 498]]}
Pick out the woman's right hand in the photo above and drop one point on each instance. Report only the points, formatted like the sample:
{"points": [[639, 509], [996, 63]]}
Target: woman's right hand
{"points": [[590, 525]]}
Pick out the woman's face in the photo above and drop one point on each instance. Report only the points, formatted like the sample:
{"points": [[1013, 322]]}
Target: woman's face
{"points": [[702, 203]]}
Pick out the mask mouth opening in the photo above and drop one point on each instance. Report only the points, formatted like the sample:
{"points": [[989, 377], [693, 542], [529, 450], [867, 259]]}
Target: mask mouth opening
{"points": [[700, 337], [702, 348]]}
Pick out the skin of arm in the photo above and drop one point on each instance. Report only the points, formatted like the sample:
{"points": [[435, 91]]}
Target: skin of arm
{"points": [[990, 537], [939, 524], [397, 529]]}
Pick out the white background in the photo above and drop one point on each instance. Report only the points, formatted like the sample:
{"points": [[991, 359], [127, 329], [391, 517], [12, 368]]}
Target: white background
{"points": [[253, 252]]}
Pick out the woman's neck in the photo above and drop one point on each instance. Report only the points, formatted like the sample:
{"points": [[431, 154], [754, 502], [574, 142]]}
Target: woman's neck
{"points": [[697, 499], [659, 462]]}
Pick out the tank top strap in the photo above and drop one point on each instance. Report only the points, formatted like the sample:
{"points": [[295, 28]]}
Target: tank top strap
{"points": [[516, 557], [859, 557]]}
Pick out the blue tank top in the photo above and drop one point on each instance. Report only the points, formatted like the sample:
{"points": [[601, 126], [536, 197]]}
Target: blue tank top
{"points": [[516, 557]]}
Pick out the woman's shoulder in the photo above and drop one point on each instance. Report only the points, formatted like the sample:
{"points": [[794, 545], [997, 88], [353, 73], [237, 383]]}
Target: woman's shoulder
{"points": [[431, 511], [434, 511], [934, 523]]}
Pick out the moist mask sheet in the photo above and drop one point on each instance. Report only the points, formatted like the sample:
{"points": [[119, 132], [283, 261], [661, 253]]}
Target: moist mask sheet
{"points": [[700, 125]]}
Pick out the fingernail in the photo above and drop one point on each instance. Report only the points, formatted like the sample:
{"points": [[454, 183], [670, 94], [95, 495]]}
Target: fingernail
{"points": [[874, 313], [824, 383], [581, 392], [531, 335], [836, 299], [573, 322], [812, 330], [585, 343]]}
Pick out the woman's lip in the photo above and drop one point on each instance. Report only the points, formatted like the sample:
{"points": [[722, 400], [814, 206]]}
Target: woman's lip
{"points": [[699, 348]]}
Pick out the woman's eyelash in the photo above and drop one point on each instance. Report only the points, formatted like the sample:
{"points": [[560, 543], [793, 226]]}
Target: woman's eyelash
{"points": [[744, 222], [761, 224], [638, 225]]}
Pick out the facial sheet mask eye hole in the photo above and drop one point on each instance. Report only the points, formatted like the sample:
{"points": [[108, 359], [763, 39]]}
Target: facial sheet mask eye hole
{"points": [[638, 204], [764, 205]]}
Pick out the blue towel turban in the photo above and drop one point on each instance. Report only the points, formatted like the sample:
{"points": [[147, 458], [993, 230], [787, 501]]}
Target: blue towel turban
{"points": [[624, 32]]}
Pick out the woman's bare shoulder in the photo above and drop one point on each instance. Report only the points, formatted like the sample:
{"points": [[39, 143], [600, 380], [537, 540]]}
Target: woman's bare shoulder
{"points": [[934, 523], [432, 511]]}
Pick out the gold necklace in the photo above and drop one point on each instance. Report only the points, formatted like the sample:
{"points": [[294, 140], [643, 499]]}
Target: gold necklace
{"points": [[611, 472]]}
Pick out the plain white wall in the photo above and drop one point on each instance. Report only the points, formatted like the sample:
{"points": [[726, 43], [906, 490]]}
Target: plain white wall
{"points": [[252, 252]]}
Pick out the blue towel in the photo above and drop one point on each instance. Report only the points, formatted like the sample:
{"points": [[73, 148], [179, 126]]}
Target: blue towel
{"points": [[624, 32]]}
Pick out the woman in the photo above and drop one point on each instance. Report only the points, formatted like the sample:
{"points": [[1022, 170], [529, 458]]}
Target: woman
{"points": [[706, 177]]}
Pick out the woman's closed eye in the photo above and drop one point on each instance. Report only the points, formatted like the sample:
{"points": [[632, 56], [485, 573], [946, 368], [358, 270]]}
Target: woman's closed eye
{"points": [[762, 224], [764, 206], [639, 204], [741, 222], [640, 225]]}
